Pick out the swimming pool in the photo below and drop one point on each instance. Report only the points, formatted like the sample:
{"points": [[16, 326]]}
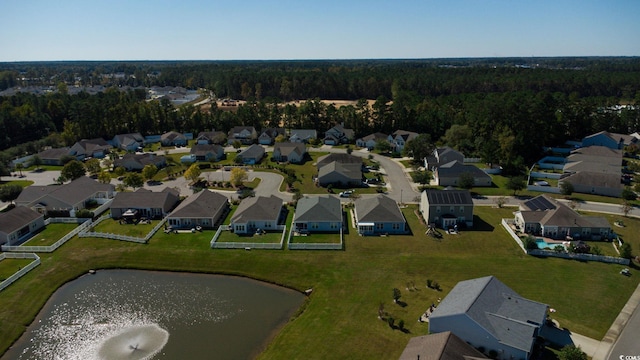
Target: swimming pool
{"points": [[545, 245]]}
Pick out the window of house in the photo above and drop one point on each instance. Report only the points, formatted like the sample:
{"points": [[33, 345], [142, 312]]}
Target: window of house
{"points": [[461, 209], [438, 209], [379, 226], [314, 225], [396, 226]]}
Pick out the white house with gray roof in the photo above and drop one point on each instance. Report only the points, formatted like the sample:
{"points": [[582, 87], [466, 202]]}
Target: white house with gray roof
{"points": [[289, 152], [486, 313], [379, 215], [145, 203], [69, 197], [321, 213], [302, 135], [447, 208], [19, 224], [449, 174], [253, 213], [205, 209]]}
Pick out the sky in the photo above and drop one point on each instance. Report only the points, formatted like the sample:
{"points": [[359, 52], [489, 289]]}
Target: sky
{"points": [[42, 30]]}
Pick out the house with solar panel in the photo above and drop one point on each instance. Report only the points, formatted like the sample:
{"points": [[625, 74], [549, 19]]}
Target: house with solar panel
{"points": [[447, 208], [545, 216], [487, 314]]}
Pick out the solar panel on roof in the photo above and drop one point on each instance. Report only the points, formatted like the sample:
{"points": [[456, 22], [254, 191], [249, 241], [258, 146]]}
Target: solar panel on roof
{"points": [[540, 203]]}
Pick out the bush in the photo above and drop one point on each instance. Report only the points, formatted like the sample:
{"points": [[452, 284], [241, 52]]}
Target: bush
{"points": [[84, 213]]}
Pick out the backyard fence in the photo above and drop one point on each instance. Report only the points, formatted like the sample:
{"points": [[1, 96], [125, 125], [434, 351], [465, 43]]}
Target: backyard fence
{"points": [[546, 189], [64, 220], [245, 245], [313, 246], [20, 273], [545, 175], [51, 248], [552, 253], [102, 208], [120, 237]]}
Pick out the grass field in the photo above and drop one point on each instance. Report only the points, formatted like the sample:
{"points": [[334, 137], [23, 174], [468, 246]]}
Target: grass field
{"points": [[50, 234], [317, 238], [9, 267], [112, 226], [339, 320]]}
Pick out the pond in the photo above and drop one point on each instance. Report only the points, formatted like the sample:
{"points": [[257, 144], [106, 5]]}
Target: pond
{"points": [[132, 314]]}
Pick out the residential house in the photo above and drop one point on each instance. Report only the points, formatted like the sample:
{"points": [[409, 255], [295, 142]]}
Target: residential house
{"points": [[379, 215], [65, 199], [545, 216], [289, 152], [253, 213], [19, 224], [303, 135], [449, 174], [340, 169], [447, 208], [95, 148], [441, 156], [321, 213], [400, 138], [251, 155], [173, 138], [371, 140], [207, 152], [440, 346], [338, 135], [55, 156], [597, 183], [594, 159], [145, 203], [245, 134], [609, 140], [487, 314], [268, 136], [128, 142], [211, 137], [137, 162], [205, 209]]}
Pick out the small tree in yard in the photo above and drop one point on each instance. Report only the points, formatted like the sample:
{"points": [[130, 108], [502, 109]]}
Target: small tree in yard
{"points": [[628, 194], [516, 184], [104, 177], [238, 176], [566, 188], [93, 166], [466, 180], [571, 352], [133, 180], [626, 208], [625, 250], [36, 161], [149, 171], [193, 173], [10, 192], [396, 295], [73, 170]]}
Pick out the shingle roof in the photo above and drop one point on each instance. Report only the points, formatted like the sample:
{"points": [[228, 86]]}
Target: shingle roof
{"points": [[322, 208], [449, 197], [378, 136], [550, 212], [304, 133], [203, 204], [258, 208], [343, 158], [287, 148], [441, 346], [379, 208], [253, 151], [595, 179], [54, 154], [143, 198], [455, 169], [350, 171], [507, 316], [203, 149], [92, 145], [172, 136], [16, 218], [72, 193]]}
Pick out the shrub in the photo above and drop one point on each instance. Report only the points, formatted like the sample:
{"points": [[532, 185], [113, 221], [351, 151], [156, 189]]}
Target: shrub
{"points": [[84, 213]]}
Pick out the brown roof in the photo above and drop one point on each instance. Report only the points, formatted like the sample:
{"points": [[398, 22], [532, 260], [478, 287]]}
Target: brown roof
{"points": [[440, 346]]}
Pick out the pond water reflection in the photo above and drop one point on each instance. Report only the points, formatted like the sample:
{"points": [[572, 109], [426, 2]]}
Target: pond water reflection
{"points": [[131, 314]]}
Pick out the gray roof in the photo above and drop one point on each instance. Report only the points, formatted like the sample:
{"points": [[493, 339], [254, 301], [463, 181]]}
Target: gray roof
{"points": [[441, 346], [253, 151], [126, 139], [455, 169], [203, 149], [510, 318], [624, 138], [304, 133], [594, 179], [143, 198], [72, 193], [343, 158], [172, 136], [258, 208], [378, 136], [321, 208], [201, 205], [212, 136], [379, 208], [287, 148], [350, 171], [406, 135], [92, 145], [54, 154], [548, 211], [16, 218], [449, 197]]}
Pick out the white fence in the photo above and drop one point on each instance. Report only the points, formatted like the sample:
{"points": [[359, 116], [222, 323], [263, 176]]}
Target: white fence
{"points": [[313, 246], [20, 273], [564, 255], [245, 245], [135, 239], [547, 189], [54, 246], [64, 220], [545, 175], [102, 208]]}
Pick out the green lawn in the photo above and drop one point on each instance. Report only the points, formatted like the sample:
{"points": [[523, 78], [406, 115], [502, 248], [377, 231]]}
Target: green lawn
{"points": [[23, 183], [112, 226], [271, 237], [50, 234], [339, 320], [317, 238], [9, 267]]}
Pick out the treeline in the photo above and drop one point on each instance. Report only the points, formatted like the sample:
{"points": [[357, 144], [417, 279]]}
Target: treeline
{"points": [[498, 111]]}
